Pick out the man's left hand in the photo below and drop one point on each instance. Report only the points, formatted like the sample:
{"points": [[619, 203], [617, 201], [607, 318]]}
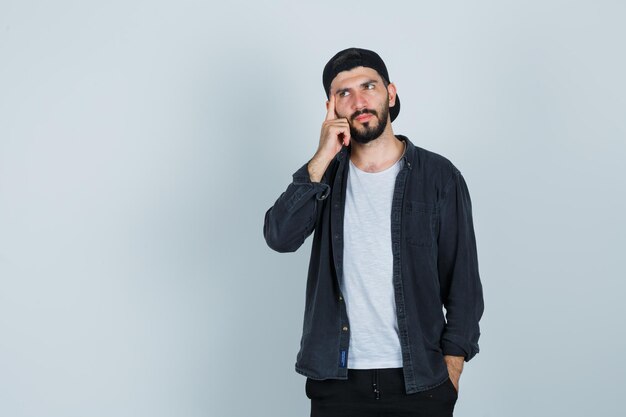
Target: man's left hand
{"points": [[455, 367]]}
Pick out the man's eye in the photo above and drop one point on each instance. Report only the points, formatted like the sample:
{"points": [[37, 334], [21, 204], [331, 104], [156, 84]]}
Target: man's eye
{"points": [[369, 86], [343, 93]]}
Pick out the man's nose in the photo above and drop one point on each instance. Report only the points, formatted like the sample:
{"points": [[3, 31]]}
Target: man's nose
{"points": [[359, 101]]}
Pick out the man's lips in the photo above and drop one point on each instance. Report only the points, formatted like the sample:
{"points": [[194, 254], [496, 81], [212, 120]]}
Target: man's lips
{"points": [[363, 117]]}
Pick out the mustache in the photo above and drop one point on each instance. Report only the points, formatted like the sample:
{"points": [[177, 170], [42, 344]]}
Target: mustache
{"points": [[364, 111]]}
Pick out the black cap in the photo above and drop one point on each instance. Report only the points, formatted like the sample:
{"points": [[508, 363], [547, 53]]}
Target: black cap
{"points": [[352, 58]]}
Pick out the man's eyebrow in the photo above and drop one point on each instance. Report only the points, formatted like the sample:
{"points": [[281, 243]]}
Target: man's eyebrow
{"points": [[369, 82], [372, 81]]}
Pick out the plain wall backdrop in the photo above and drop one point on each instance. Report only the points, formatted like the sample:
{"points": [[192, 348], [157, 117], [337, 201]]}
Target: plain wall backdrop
{"points": [[141, 143]]}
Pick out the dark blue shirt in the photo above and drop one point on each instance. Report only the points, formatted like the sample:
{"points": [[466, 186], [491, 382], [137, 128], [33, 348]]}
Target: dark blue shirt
{"points": [[435, 266]]}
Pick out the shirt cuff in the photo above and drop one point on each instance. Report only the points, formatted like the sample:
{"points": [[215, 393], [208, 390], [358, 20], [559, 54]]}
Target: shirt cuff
{"points": [[301, 176], [452, 349]]}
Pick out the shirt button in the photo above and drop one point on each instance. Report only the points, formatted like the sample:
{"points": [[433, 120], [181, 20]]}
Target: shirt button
{"points": [[340, 298], [345, 328], [336, 235]]}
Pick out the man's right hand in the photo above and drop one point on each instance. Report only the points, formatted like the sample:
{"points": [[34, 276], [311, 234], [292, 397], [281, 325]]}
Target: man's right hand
{"points": [[335, 134]]}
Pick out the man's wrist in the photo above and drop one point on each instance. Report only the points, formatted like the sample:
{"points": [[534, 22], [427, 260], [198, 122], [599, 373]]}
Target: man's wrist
{"points": [[455, 367], [454, 364]]}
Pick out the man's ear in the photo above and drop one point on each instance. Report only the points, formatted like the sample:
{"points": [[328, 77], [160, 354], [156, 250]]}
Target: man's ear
{"points": [[391, 89]]}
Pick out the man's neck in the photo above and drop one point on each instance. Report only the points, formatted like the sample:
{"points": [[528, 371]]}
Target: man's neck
{"points": [[379, 154]]}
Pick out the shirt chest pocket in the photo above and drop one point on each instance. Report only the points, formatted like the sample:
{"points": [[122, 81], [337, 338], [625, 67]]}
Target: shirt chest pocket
{"points": [[420, 223]]}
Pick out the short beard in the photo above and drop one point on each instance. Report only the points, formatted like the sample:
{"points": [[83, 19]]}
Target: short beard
{"points": [[370, 133]]}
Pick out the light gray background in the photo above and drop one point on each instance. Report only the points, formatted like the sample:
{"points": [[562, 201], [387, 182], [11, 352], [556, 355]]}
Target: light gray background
{"points": [[141, 143]]}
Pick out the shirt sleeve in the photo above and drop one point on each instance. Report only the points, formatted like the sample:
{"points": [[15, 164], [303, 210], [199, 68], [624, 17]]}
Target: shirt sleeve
{"points": [[292, 217], [459, 279]]}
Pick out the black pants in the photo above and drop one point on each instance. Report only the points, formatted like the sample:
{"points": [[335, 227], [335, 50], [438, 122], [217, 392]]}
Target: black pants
{"points": [[377, 393]]}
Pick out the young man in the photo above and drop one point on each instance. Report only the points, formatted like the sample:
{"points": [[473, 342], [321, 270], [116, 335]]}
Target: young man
{"points": [[394, 243]]}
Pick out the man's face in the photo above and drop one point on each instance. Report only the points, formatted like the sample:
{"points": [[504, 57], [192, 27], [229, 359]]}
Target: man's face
{"points": [[362, 98]]}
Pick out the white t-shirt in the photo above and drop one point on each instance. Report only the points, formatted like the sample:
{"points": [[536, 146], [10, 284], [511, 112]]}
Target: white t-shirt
{"points": [[367, 283]]}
